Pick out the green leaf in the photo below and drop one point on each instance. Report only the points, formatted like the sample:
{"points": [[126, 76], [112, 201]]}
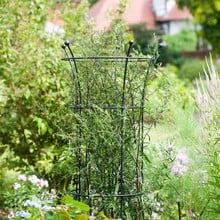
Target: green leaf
{"points": [[63, 215], [42, 125], [82, 217], [69, 201], [49, 215]]}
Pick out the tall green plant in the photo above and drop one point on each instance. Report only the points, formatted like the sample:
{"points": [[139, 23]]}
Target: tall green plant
{"points": [[208, 104], [106, 138]]}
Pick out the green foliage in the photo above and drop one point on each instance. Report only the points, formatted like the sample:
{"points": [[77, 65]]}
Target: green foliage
{"points": [[206, 13], [171, 189], [31, 200], [103, 123], [76, 23], [174, 44], [38, 130], [31, 70], [183, 41], [191, 69], [167, 94], [143, 37]]}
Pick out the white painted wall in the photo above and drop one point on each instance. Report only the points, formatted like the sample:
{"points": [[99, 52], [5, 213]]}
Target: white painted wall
{"points": [[176, 26], [53, 29], [162, 7]]}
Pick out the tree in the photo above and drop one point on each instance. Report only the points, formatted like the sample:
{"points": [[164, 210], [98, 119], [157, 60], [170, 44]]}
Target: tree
{"points": [[206, 14]]}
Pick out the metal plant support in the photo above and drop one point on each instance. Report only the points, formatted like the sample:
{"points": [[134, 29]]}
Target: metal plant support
{"points": [[108, 171]]}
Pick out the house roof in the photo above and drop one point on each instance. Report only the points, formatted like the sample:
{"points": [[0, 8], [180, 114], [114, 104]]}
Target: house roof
{"points": [[175, 14], [137, 12]]}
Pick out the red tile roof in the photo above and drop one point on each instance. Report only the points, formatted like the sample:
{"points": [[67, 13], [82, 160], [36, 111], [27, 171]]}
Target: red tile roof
{"points": [[138, 11], [176, 14]]}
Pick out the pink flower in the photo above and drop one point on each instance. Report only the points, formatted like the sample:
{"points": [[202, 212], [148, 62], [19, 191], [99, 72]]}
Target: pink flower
{"points": [[180, 164], [182, 157], [178, 169]]}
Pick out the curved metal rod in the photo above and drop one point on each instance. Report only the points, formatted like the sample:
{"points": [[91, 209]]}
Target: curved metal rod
{"points": [[122, 132], [78, 101], [67, 43]]}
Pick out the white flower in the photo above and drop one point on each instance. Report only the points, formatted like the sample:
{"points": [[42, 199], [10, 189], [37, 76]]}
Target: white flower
{"points": [[22, 177], [53, 191], [42, 183], [33, 179], [155, 216], [11, 215], [191, 214], [16, 186], [53, 194]]}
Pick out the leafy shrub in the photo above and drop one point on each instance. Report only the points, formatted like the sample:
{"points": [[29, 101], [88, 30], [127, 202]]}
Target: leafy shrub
{"points": [[183, 41], [191, 69], [174, 44], [143, 37], [36, 88], [166, 94]]}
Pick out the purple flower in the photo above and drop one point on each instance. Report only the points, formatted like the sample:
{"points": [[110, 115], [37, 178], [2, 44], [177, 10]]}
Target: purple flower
{"points": [[32, 204], [47, 208], [23, 214]]}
